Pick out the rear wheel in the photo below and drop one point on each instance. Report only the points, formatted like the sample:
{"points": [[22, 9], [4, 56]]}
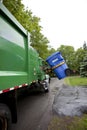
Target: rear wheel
{"points": [[68, 72], [5, 117]]}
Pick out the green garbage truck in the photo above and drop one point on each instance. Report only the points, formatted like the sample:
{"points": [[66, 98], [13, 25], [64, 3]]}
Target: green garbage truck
{"points": [[20, 66]]}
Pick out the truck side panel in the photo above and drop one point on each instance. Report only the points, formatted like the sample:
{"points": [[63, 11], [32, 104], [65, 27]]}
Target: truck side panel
{"points": [[13, 52], [35, 66], [19, 63]]}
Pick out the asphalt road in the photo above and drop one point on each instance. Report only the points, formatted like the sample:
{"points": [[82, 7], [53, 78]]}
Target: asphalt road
{"points": [[35, 110]]}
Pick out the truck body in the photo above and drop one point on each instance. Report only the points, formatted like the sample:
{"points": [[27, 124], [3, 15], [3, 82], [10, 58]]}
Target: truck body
{"points": [[20, 65]]}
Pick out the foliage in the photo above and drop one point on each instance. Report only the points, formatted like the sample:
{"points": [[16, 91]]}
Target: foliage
{"points": [[68, 123], [83, 65], [39, 42], [69, 55], [72, 57], [51, 51], [79, 55]]}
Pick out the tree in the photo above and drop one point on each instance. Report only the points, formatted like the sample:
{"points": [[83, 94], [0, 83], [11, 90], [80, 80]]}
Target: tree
{"points": [[79, 54], [84, 46], [69, 55], [83, 65], [40, 43], [73, 58], [51, 50]]}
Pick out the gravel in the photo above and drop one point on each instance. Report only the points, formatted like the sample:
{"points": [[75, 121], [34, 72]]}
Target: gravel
{"points": [[70, 101]]}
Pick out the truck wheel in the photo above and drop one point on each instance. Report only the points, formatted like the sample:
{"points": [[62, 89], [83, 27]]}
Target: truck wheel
{"points": [[47, 90], [5, 117]]}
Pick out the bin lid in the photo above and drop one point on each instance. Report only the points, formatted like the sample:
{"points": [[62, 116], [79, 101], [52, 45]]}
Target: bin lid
{"points": [[49, 57]]}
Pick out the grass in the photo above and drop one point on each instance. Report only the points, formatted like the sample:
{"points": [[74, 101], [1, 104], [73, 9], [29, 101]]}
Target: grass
{"points": [[76, 81], [68, 123]]}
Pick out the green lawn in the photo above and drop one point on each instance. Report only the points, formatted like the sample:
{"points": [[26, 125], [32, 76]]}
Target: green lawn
{"points": [[76, 81]]}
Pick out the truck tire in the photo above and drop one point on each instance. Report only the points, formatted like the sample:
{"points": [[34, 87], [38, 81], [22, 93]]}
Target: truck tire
{"points": [[47, 90], [5, 117]]}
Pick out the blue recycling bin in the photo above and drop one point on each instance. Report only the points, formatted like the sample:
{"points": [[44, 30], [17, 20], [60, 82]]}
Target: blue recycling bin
{"points": [[58, 65]]}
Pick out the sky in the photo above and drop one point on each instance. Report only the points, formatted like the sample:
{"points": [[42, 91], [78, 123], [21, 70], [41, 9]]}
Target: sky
{"points": [[64, 22]]}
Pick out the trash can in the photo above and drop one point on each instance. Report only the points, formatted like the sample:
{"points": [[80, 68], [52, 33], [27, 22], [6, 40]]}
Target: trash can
{"points": [[58, 65]]}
